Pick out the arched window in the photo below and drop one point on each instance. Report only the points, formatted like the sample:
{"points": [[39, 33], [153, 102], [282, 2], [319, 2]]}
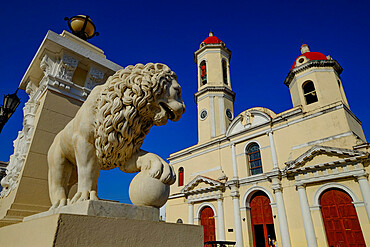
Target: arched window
{"points": [[203, 73], [181, 176], [224, 71], [254, 159], [309, 92]]}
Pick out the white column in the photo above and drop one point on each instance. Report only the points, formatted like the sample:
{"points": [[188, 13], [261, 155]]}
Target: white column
{"points": [[306, 215], [235, 167], [220, 219], [237, 218], [191, 213], [365, 191], [212, 115], [222, 114], [280, 206], [273, 150]]}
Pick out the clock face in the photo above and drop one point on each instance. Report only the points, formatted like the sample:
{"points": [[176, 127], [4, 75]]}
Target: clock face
{"points": [[203, 114], [229, 114]]}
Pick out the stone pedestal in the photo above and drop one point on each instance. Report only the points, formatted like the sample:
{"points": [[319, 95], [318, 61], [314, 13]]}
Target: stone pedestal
{"points": [[103, 209], [85, 230]]}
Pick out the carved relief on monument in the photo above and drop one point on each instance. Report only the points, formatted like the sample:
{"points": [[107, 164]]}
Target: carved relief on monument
{"points": [[94, 77], [67, 67], [22, 142]]}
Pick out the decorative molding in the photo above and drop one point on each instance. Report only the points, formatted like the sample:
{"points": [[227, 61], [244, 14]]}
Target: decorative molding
{"points": [[222, 89], [21, 144], [249, 193], [317, 150], [203, 205], [67, 67], [213, 192], [178, 195], [326, 139], [94, 77], [321, 189], [205, 171], [214, 184], [313, 63]]}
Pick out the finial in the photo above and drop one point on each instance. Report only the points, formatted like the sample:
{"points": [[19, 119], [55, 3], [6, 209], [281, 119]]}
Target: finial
{"points": [[305, 48], [210, 34]]}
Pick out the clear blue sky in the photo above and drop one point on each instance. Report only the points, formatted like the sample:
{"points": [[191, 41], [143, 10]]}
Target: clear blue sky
{"points": [[264, 37]]}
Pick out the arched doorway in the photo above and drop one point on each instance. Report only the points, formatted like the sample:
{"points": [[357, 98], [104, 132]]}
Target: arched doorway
{"points": [[207, 220], [262, 221], [340, 219]]}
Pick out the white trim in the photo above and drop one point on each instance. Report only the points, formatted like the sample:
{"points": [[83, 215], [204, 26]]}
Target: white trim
{"points": [[222, 114], [322, 140], [212, 115], [203, 205], [248, 194], [250, 142], [319, 191], [310, 72], [203, 53], [326, 177], [205, 171], [215, 95]]}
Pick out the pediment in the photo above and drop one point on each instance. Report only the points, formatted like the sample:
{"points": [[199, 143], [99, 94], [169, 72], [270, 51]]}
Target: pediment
{"points": [[324, 155], [249, 119], [201, 183]]}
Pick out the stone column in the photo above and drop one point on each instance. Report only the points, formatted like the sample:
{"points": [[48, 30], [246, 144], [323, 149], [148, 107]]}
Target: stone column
{"points": [[306, 215], [221, 222], [191, 213], [280, 206], [233, 155], [273, 151], [237, 217], [365, 191]]}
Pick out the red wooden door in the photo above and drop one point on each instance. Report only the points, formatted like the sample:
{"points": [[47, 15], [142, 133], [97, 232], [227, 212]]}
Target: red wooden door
{"points": [[207, 220], [340, 220], [262, 222]]}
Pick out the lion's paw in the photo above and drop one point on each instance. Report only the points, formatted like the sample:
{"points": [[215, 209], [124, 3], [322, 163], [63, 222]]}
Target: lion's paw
{"points": [[60, 203], [158, 168], [84, 196]]}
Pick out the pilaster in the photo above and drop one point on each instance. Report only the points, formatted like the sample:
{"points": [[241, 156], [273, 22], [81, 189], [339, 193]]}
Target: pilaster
{"points": [[306, 215]]}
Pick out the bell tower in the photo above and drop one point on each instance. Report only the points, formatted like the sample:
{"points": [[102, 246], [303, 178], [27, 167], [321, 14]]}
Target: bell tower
{"points": [[215, 97], [314, 81]]}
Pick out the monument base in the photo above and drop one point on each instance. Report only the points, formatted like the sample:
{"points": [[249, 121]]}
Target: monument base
{"points": [[83, 230], [105, 209]]}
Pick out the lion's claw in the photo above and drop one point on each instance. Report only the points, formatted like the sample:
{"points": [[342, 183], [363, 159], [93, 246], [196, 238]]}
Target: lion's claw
{"points": [[84, 196]]}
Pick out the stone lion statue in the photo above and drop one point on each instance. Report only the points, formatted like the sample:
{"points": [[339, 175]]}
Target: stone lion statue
{"points": [[109, 129]]}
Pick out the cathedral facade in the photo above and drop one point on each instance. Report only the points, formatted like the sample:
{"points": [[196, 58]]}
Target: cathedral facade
{"points": [[260, 178]]}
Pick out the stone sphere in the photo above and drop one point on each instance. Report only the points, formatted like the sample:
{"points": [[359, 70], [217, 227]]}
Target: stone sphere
{"points": [[148, 191]]}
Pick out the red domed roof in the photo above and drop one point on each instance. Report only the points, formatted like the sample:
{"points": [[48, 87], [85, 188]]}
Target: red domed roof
{"points": [[308, 56], [211, 39]]}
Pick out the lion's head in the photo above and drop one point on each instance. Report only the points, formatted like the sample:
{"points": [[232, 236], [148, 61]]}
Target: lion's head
{"points": [[132, 101]]}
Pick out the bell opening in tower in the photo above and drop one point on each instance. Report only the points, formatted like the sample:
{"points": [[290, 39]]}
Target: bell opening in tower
{"points": [[203, 74]]}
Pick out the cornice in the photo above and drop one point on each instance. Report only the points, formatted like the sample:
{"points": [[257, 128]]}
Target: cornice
{"points": [[313, 63], [214, 89]]}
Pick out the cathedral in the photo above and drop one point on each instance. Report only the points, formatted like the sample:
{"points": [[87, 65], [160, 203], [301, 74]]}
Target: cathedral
{"points": [[260, 178]]}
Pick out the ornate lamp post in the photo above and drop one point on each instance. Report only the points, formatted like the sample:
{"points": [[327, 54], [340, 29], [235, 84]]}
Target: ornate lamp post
{"points": [[82, 26], [11, 102]]}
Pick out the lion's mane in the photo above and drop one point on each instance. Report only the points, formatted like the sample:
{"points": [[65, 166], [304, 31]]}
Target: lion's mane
{"points": [[123, 114]]}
